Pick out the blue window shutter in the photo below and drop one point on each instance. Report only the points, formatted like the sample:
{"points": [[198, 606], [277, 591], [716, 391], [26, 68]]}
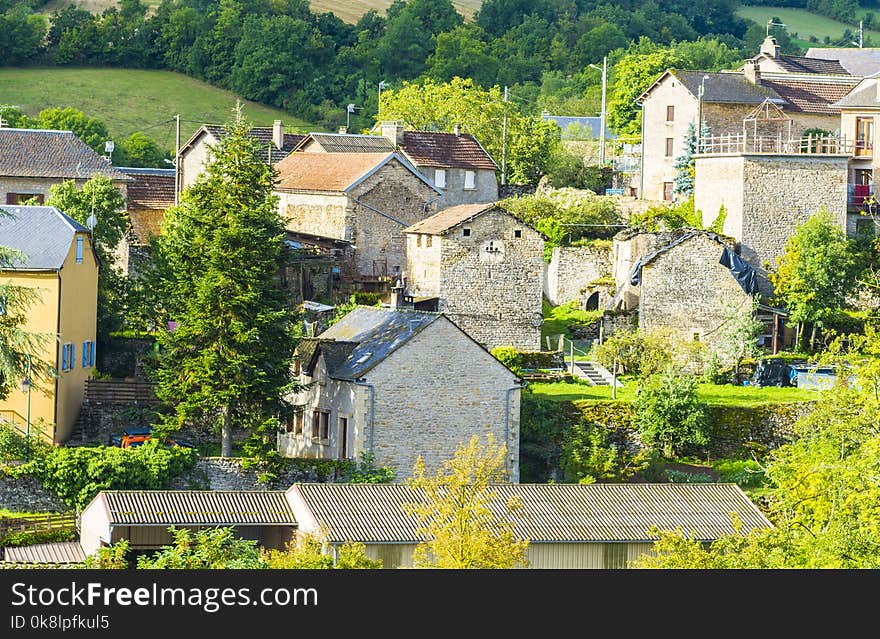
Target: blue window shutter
{"points": [[85, 355], [64, 357], [92, 355], [72, 358]]}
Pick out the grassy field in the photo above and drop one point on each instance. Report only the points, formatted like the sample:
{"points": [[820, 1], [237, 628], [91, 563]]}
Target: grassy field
{"points": [[129, 100], [805, 24], [347, 10], [744, 396]]}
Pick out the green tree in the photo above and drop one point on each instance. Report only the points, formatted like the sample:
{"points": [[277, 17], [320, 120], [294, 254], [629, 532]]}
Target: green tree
{"points": [[737, 337], [211, 548], [635, 352], [590, 454], [461, 523], [816, 273], [430, 105], [633, 74], [227, 360], [669, 414], [90, 130], [110, 557], [684, 164], [100, 197], [309, 552], [140, 150], [463, 52]]}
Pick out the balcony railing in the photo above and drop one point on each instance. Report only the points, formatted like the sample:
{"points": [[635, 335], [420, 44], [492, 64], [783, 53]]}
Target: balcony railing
{"points": [[808, 145]]}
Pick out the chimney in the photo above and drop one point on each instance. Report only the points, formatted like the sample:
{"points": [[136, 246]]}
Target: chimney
{"points": [[278, 134], [457, 130], [343, 129], [393, 131], [397, 295], [752, 72], [770, 47]]}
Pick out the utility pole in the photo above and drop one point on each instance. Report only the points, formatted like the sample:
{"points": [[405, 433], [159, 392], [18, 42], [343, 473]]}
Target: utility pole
{"points": [[861, 34], [604, 70], [177, 160], [504, 143]]}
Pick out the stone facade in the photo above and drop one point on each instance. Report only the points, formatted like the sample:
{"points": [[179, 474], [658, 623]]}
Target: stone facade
{"points": [[371, 215], [767, 196], [488, 281], [627, 248], [26, 494], [684, 289], [433, 393], [573, 268], [41, 186], [485, 187]]}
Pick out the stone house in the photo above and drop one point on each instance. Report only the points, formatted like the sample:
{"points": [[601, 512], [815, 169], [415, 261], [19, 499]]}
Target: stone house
{"points": [[456, 163], [195, 152], [367, 199], [400, 384], [766, 110], [569, 526], [770, 59], [483, 268], [61, 266], [150, 194], [33, 160]]}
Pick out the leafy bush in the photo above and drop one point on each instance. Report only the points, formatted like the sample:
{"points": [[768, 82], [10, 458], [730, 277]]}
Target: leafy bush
{"points": [[635, 352], [567, 169], [668, 413], [210, 548], [365, 471], [590, 455], [109, 557], [31, 537], [77, 474], [683, 477], [508, 356], [747, 473], [13, 446], [309, 553], [661, 217]]}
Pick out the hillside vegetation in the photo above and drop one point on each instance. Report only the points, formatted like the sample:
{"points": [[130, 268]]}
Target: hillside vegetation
{"points": [[129, 100], [806, 25]]}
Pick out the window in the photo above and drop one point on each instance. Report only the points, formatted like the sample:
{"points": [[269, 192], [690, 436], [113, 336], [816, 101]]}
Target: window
{"points": [[2, 305], [696, 337], [79, 249], [419, 239], [68, 356], [465, 232], [21, 198], [320, 424], [667, 191], [470, 180], [864, 136], [295, 423], [88, 354], [517, 233], [343, 437], [670, 113], [428, 240], [440, 178], [668, 152]]}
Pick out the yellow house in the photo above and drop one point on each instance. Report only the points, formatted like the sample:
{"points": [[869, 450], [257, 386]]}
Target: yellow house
{"points": [[61, 265]]}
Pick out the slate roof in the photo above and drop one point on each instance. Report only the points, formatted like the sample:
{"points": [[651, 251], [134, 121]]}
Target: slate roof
{"points": [[65, 552], [263, 135], [349, 143], [862, 62], [809, 97], [801, 64], [196, 507], [446, 219], [51, 154], [551, 512], [579, 127], [864, 95], [151, 189], [365, 337], [726, 87], [446, 150], [42, 233]]}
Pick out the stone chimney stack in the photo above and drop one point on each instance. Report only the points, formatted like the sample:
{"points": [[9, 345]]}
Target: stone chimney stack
{"points": [[752, 72], [457, 129], [278, 134], [770, 47], [397, 294], [343, 129], [393, 131]]}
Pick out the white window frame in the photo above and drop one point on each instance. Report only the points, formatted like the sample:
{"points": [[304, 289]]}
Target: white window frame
{"points": [[80, 249], [473, 180], [440, 178]]}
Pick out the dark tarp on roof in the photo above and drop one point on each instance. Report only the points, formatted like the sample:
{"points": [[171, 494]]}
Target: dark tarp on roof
{"points": [[741, 270]]}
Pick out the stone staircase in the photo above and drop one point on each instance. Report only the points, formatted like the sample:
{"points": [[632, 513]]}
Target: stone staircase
{"points": [[595, 374]]}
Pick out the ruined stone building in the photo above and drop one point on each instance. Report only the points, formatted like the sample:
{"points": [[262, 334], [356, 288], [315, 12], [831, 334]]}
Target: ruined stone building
{"points": [[365, 199], [483, 268], [150, 194], [580, 273], [732, 105], [400, 384], [456, 163]]}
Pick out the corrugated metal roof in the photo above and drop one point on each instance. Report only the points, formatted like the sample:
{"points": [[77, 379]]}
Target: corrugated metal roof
{"points": [[65, 552], [42, 233], [52, 154], [551, 512], [197, 507], [366, 336]]}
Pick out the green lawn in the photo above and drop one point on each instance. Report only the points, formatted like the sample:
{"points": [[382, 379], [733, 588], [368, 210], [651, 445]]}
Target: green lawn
{"points": [[804, 24], [727, 395], [129, 100], [557, 318]]}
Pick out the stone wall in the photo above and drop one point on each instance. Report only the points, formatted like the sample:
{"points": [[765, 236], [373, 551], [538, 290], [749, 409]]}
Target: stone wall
{"points": [[315, 213], [685, 290], [614, 321], [573, 268], [627, 248], [491, 281], [219, 473], [42, 186], [485, 187], [26, 494], [123, 357]]}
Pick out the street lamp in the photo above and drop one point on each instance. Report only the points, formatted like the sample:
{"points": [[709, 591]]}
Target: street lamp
{"points": [[604, 70], [382, 85], [26, 388], [700, 110]]}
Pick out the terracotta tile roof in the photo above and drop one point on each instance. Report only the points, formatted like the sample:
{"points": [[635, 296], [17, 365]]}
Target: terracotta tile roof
{"points": [[433, 148], [263, 135], [52, 154], [810, 97], [446, 219], [325, 171], [151, 189]]}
